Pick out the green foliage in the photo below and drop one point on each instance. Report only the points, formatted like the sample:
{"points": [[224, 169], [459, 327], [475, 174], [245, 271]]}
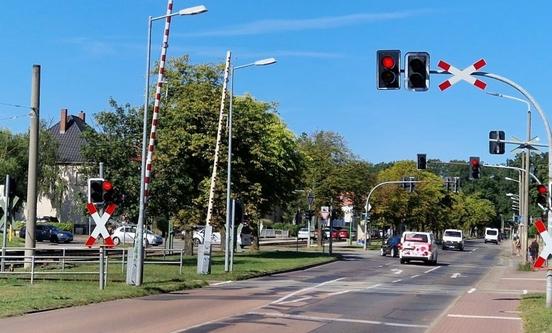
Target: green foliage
{"points": [[65, 226]]}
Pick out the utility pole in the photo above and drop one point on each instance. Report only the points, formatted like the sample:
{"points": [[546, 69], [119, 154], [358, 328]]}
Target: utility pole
{"points": [[30, 241]]}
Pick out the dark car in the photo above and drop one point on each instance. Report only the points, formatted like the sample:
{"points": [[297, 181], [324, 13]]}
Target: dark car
{"points": [[49, 232], [391, 246]]}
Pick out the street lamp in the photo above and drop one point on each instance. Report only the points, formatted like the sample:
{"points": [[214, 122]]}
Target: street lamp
{"points": [[511, 179], [141, 216], [262, 62]]}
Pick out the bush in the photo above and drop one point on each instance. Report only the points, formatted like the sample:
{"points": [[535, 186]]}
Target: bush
{"points": [[65, 226]]}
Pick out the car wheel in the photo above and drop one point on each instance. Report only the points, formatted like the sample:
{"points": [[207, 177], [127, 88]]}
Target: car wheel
{"points": [[116, 240], [382, 252], [444, 248], [403, 261], [54, 240], [196, 242]]}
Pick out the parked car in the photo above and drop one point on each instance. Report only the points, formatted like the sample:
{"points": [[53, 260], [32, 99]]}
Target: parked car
{"points": [[303, 233], [453, 238], [199, 236], [418, 246], [49, 232], [126, 235], [342, 234], [337, 233], [492, 235], [391, 246]]}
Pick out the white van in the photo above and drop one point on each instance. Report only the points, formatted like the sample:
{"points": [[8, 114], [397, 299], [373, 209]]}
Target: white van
{"points": [[491, 235], [418, 246], [453, 238]]}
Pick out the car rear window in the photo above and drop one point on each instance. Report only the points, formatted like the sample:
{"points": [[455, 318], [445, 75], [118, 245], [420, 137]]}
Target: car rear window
{"points": [[453, 233], [491, 232], [416, 238]]}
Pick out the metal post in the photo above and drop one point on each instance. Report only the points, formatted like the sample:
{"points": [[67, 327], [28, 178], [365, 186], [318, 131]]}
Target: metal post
{"points": [[32, 268], [181, 260], [30, 240], [5, 219], [232, 222], [526, 191], [549, 288], [330, 247], [229, 170], [63, 261], [101, 277], [309, 228]]}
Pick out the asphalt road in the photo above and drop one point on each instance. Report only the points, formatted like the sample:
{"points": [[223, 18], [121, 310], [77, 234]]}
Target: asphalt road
{"points": [[364, 293]]}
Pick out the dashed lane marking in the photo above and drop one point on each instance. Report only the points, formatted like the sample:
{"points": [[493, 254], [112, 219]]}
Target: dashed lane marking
{"points": [[296, 300], [414, 276], [221, 283], [343, 320], [338, 293], [482, 317], [471, 290], [399, 280], [303, 290], [431, 270]]}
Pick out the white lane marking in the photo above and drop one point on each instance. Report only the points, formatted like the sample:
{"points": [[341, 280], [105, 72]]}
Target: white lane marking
{"points": [[524, 291], [303, 290], [523, 279], [482, 317], [471, 290], [223, 282], [396, 271], [296, 300], [431, 270], [322, 319], [373, 286], [338, 293], [455, 275], [380, 266], [414, 276], [399, 280]]}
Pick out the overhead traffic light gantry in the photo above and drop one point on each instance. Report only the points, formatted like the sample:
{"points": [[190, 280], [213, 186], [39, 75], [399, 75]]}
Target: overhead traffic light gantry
{"points": [[495, 144], [417, 71], [388, 69]]}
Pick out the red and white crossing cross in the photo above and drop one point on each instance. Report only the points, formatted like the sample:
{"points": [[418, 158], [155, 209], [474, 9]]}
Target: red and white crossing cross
{"points": [[541, 228], [100, 228], [459, 75]]}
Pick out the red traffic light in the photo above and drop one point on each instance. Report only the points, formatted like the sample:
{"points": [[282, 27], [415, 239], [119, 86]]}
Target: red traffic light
{"points": [[388, 62], [107, 186], [474, 163], [542, 189]]}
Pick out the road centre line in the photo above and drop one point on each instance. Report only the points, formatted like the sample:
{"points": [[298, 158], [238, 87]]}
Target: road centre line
{"points": [[304, 289], [338, 293], [296, 300], [373, 286], [471, 290], [524, 279], [399, 280], [322, 319], [482, 317], [221, 283], [431, 270], [414, 276]]}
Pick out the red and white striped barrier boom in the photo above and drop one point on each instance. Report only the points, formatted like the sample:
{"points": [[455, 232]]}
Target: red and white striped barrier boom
{"points": [[541, 228]]}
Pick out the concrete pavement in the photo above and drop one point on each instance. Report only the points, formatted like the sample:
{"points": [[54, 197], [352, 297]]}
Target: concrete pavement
{"points": [[492, 304]]}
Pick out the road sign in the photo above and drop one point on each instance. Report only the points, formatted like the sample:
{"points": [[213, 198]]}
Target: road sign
{"points": [[347, 213], [325, 212], [459, 75], [541, 228], [100, 228]]}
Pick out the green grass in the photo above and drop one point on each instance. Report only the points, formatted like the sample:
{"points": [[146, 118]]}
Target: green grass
{"points": [[527, 267], [58, 291], [536, 317]]}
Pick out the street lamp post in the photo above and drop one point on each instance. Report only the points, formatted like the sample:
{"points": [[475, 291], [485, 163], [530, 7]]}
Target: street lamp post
{"points": [[525, 180], [139, 249], [262, 62]]}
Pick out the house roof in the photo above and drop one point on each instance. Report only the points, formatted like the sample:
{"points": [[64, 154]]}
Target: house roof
{"points": [[70, 142]]}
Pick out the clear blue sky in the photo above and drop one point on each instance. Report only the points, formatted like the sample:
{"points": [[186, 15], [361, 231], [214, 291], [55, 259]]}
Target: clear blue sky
{"points": [[325, 76]]}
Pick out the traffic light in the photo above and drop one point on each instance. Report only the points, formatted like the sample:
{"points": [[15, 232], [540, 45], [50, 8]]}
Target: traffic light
{"points": [[421, 164], [542, 195], [475, 167], [496, 147], [456, 186], [416, 71], [10, 187], [95, 190], [108, 192], [388, 69]]}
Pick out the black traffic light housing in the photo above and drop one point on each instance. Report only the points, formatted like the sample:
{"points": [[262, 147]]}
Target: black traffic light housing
{"points": [[95, 190], [475, 167], [495, 144], [542, 195], [10, 188], [388, 69], [421, 162], [416, 71]]}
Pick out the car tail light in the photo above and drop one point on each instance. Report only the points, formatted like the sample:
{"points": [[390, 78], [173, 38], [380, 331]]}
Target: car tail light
{"points": [[399, 246], [429, 247]]}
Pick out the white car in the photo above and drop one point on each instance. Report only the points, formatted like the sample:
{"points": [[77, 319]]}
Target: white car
{"points": [[418, 246], [303, 233], [199, 235], [453, 238], [491, 235], [126, 235]]}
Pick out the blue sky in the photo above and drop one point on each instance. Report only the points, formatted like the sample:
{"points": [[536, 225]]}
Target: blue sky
{"points": [[325, 76]]}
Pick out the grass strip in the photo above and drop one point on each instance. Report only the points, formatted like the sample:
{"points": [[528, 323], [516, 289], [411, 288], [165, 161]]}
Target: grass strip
{"points": [[536, 317], [48, 292]]}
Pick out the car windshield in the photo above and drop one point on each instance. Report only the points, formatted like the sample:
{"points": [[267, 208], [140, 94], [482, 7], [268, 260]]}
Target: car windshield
{"points": [[491, 232], [416, 238], [453, 233]]}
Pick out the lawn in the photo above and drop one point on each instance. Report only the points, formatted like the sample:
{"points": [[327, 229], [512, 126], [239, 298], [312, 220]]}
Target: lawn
{"points": [[536, 317], [58, 291]]}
